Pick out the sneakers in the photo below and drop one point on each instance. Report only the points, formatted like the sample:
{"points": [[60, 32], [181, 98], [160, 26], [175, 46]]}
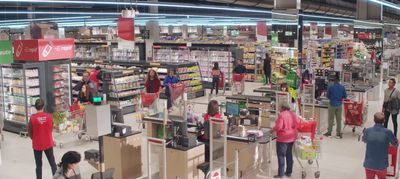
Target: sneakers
{"points": [[288, 175], [339, 136], [327, 134]]}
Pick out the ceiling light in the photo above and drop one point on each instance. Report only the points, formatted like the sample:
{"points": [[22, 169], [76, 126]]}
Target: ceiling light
{"points": [[46, 19], [385, 3]]}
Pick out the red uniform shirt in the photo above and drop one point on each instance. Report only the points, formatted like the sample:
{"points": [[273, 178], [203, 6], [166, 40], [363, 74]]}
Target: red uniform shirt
{"points": [[93, 77], [42, 136]]}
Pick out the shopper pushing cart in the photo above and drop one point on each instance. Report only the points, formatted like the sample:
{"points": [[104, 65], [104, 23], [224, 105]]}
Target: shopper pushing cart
{"points": [[378, 140], [238, 77]]}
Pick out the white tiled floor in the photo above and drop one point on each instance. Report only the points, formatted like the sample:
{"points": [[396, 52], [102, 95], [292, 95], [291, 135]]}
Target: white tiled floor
{"points": [[341, 159]]}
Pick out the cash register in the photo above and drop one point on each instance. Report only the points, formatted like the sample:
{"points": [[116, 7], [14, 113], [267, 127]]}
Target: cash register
{"points": [[232, 113], [180, 134]]}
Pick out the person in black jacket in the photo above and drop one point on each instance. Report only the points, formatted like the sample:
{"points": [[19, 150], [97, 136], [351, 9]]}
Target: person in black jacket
{"points": [[239, 68], [267, 68]]}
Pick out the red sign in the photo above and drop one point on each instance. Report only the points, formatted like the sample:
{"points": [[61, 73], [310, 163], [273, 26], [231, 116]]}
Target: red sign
{"points": [[262, 28], [44, 49], [126, 28]]}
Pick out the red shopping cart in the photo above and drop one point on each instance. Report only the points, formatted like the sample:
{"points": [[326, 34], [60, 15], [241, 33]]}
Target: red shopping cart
{"points": [[308, 146], [238, 83], [148, 99], [353, 112], [176, 91], [393, 169]]}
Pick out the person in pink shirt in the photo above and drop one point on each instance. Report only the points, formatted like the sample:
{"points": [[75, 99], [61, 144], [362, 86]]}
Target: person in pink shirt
{"points": [[286, 132]]}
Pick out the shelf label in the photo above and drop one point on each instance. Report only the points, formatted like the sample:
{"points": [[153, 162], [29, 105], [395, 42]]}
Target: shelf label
{"points": [[6, 53], [155, 64]]}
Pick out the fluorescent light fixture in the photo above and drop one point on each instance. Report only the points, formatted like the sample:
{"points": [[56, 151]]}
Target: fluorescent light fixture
{"points": [[47, 19], [158, 4], [386, 3]]}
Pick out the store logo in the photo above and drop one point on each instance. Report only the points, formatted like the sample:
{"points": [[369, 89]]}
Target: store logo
{"points": [[42, 120], [19, 49], [47, 49], [5, 52]]}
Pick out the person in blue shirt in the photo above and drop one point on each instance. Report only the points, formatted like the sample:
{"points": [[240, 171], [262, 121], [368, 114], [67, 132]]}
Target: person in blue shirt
{"points": [[169, 80], [336, 93], [378, 139]]}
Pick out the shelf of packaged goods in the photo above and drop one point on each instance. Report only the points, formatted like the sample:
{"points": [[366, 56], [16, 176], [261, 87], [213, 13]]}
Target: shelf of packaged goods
{"points": [[125, 97], [188, 72], [191, 85], [127, 82], [16, 113], [20, 77], [22, 96], [128, 89], [15, 121], [21, 86]]}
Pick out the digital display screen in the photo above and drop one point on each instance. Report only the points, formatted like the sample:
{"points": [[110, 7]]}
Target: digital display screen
{"points": [[232, 109]]}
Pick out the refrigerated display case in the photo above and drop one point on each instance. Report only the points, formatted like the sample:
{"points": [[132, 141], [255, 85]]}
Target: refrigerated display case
{"points": [[58, 89], [22, 86]]}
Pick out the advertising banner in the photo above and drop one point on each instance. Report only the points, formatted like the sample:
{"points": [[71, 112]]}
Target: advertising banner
{"points": [[328, 31], [262, 31], [44, 49], [6, 52], [126, 33]]}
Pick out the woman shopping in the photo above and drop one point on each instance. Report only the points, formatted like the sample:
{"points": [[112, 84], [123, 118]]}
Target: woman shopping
{"points": [[391, 104], [286, 133], [68, 168], [216, 75], [152, 83]]}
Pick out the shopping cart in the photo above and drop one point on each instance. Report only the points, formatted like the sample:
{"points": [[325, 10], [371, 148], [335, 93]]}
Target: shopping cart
{"points": [[176, 91], [355, 115], [74, 124], [149, 99], [238, 83], [308, 146]]}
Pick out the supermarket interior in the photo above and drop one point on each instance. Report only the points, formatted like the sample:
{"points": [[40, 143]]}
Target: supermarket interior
{"points": [[233, 89]]}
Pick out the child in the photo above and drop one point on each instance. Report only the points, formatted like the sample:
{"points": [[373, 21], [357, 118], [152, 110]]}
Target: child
{"points": [[68, 166], [170, 79]]}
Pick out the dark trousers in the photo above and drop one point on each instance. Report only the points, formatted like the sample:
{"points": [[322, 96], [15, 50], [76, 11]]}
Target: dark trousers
{"points": [[394, 120], [284, 152], [38, 160], [169, 99], [215, 84], [268, 77]]}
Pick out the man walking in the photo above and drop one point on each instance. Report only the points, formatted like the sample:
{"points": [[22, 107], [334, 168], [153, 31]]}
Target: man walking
{"points": [[378, 139], [336, 93], [40, 131]]}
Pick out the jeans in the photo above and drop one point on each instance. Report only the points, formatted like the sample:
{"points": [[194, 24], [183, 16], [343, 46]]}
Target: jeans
{"points": [[335, 112], [38, 160], [284, 152], [370, 174], [215, 84], [268, 77], [394, 120], [169, 100]]}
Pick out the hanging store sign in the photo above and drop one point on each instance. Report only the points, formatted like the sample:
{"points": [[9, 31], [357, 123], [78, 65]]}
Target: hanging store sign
{"points": [[262, 31], [328, 31], [274, 40], [313, 31], [6, 52], [44, 49], [126, 33]]}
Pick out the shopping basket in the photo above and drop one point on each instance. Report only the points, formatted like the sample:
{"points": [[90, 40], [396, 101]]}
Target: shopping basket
{"points": [[148, 99], [176, 90], [308, 127]]}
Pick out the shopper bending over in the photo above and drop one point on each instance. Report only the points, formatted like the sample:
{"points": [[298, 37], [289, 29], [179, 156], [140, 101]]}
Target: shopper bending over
{"points": [[216, 75], [336, 94], [68, 167], [212, 112], [378, 140], [86, 80], [170, 79], [85, 95], [286, 133], [40, 129], [267, 68], [152, 83], [391, 104]]}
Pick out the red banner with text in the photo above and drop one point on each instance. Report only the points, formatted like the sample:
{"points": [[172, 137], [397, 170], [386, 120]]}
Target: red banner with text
{"points": [[44, 49]]}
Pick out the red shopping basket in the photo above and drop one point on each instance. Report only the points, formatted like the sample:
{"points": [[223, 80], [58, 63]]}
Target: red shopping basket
{"points": [[176, 90], [353, 113], [148, 99], [308, 127], [238, 77]]}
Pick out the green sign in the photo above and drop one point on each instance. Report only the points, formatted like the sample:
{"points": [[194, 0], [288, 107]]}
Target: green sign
{"points": [[274, 39], [6, 52]]}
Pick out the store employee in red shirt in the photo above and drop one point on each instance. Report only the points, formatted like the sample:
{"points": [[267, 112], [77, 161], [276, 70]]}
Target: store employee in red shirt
{"points": [[40, 131]]}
